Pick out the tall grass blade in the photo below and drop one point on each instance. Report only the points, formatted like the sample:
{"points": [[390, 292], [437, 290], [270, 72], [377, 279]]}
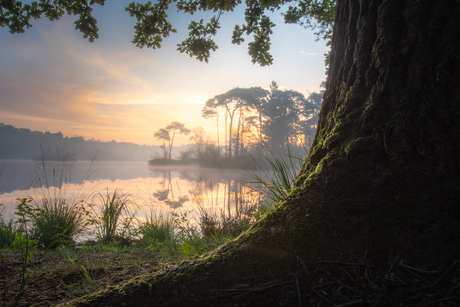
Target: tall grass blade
{"points": [[276, 182], [114, 215]]}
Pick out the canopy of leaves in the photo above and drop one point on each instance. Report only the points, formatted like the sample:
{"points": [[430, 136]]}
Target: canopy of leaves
{"points": [[178, 127], [270, 116], [153, 26], [162, 135], [16, 16]]}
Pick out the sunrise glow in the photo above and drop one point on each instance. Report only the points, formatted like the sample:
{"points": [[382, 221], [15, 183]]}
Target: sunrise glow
{"points": [[54, 80]]}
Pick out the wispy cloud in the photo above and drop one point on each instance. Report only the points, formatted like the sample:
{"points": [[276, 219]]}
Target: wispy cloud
{"points": [[309, 53], [51, 79], [79, 88]]}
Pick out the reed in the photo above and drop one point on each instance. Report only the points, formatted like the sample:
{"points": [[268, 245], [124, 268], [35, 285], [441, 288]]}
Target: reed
{"points": [[158, 228], [58, 222], [7, 229], [114, 216], [276, 182], [58, 219], [213, 222]]}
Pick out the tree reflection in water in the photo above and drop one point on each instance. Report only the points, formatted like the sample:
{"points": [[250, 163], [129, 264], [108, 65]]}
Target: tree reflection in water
{"points": [[222, 193]]}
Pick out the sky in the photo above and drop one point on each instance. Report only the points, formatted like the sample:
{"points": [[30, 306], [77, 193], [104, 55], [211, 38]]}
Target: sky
{"points": [[52, 79]]}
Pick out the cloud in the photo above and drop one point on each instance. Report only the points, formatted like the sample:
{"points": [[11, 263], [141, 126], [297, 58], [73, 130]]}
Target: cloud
{"points": [[51, 79], [72, 86], [309, 53]]}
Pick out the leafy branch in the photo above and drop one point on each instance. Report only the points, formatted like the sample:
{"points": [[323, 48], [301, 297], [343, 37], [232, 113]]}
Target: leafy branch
{"points": [[16, 16], [153, 26], [200, 42]]}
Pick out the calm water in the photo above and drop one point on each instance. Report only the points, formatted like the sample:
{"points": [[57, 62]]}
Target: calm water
{"points": [[151, 189]]}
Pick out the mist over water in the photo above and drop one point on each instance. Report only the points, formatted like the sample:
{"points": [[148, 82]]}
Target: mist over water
{"points": [[152, 189]]}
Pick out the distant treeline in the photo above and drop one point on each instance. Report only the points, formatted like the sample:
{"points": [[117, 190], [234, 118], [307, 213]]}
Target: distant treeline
{"points": [[24, 144]]}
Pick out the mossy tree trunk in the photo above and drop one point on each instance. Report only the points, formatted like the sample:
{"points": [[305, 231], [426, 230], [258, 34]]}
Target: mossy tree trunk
{"points": [[387, 147], [383, 174]]}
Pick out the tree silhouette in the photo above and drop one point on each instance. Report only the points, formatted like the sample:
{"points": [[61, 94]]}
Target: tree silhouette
{"points": [[173, 128], [271, 116], [210, 110], [282, 114], [231, 102], [167, 135], [163, 135], [310, 108], [199, 138], [258, 103]]}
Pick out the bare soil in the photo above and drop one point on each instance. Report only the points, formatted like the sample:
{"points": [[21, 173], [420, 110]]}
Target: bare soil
{"points": [[351, 281], [54, 279]]}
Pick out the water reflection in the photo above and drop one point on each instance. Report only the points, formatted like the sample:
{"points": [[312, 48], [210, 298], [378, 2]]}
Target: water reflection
{"points": [[166, 193], [228, 190], [189, 188], [23, 174]]}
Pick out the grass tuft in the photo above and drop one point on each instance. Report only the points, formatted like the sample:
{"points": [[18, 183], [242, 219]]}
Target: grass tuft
{"points": [[114, 217], [278, 180], [158, 228], [213, 222], [8, 230], [58, 222]]}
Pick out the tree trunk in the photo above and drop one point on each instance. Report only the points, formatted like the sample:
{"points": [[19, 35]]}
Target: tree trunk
{"points": [[387, 141], [383, 174], [230, 130], [238, 136], [218, 139], [171, 143], [226, 143]]}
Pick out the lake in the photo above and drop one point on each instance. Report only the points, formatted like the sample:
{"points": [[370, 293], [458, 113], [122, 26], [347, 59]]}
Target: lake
{"points": [[151, 190]]}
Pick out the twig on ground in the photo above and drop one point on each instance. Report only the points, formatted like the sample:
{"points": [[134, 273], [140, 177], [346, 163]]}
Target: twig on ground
{"points": [[413, 273], [321, 296], [393, 264], [445, 273], [325, 284], [254, 289], [303, 264], [370, 266], [440, 300], [298, 290], [354, 303], [345, 271], [435, 272], [432, 285]]}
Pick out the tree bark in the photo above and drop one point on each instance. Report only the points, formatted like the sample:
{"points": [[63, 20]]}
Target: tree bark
{"points": [[387, 139], [383, 174]]}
